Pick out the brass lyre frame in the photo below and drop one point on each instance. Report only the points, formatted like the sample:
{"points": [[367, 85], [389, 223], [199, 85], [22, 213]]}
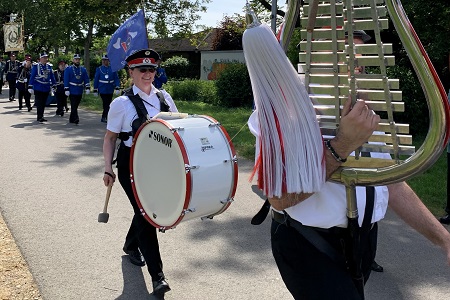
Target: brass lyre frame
{"points": [[373, 172]]}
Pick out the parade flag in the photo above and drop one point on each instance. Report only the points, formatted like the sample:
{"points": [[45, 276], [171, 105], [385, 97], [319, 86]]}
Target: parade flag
{"points": [[131, 36], [13, 37]]}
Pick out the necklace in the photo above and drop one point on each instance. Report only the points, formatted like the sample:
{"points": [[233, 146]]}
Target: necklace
{"points": [[77, 76], [107, 71], [42, 70]]}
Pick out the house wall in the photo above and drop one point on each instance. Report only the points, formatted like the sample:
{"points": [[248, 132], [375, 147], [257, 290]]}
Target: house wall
{"points": [[213, 62]]}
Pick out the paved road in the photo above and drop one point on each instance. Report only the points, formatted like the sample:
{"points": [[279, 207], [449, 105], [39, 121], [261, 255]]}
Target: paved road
{"points": [[51, 193]]}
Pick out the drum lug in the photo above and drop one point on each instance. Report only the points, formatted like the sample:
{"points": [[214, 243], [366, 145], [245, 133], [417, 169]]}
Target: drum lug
{"points": [[234, 160], [162, 229], [207, 217], [188, 168], [229, 200], [176, 129], [214, 124], [189, 210]]}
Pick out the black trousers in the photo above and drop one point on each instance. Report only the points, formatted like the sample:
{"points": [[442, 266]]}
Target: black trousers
{"points": [[1, 83], [12, 89], [23, 94], [40, 99], [312, 275], [61, 102], [141, 234], [74, 103], [106, 99]]}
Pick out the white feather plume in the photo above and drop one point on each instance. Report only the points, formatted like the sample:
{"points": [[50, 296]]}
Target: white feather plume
{"points": [[286, 117]]}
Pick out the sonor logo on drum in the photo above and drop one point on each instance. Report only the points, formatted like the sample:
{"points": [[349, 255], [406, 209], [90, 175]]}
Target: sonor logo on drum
{"points": [[160, 138]]}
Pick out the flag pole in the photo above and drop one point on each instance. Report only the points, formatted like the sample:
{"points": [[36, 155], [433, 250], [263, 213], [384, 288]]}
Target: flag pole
{"points": [[145, 22]]}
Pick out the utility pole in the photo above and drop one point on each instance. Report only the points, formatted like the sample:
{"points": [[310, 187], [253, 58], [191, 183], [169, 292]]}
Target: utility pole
{"points": [[273, 16]]}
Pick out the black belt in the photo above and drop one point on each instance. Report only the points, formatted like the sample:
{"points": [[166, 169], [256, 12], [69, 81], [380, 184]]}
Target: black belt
{"points": [[287, 220], [312, 235]]}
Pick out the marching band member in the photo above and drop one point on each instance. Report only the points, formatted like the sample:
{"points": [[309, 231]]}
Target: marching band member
{"points": [[2, 70], [23, 78], [41, 82], [160, 77], [309, 232], [124, 118], [61, 98], [76, 79], [11, 68], [105, 82]]}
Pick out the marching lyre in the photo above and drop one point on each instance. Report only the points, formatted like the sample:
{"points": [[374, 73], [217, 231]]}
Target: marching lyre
{"points": [[327, 66]]}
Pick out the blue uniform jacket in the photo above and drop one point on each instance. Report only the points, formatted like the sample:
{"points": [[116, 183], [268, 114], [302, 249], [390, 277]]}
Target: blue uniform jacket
{"points": [[76, 79], [41, 78], [160, 78], [105, 80]]}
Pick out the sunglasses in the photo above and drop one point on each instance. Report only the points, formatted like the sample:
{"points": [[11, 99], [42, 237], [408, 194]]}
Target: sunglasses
{"points": [[144, 70]]}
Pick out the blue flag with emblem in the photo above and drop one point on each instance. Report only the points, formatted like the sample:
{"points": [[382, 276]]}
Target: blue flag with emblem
{"points": [[131, 36]]}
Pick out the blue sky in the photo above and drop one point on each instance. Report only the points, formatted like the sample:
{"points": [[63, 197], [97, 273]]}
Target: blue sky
{"points": [[217, 9]]}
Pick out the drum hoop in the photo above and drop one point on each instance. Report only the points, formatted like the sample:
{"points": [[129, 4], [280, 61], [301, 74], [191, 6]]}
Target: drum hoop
{"points": [[187, 197]]}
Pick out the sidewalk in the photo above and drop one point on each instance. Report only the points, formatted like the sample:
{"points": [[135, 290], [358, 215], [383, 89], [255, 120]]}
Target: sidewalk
{"points": [[52, 192]]}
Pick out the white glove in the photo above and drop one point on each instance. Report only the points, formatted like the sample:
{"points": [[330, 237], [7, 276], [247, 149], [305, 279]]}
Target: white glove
{"points": [[88, 91], [67, 93], [117, 92], [95, 94], [31, 91]]}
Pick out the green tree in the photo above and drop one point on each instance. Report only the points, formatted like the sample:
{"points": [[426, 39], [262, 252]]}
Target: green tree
{"points": [[74, 24]]}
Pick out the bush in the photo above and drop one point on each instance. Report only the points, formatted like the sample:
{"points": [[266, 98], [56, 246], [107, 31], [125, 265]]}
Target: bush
{"points": [[233, 86], [177, 68], [192, 90]]}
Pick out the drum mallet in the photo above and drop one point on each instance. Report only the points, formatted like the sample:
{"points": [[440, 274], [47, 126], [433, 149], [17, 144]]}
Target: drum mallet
{"points": [[104, 216]]}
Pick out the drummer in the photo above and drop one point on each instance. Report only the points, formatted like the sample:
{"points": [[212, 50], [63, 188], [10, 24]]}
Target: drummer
{"points": [[126, 114]]}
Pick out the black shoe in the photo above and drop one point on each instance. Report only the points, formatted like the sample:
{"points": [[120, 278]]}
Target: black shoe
{"points": [[445, 220], [135, 257], [76, 122], [67, 109], [42, 120], [103, 120], [376, 267], [160, 287], [20, 108], [59, 113], [30, 108]]}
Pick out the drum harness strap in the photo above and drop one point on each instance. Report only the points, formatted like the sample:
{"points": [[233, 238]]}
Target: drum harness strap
{"points": [[142, 114], [141, 111]]}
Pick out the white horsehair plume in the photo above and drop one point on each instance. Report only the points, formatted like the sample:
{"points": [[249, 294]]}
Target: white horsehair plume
{"points": [[291, 149]]}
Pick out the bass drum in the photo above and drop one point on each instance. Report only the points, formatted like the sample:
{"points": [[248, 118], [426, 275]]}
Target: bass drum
{"points": [[182, 169]]}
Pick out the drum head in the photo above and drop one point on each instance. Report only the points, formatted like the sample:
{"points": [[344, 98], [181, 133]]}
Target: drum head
{"points": [[159, 180]]}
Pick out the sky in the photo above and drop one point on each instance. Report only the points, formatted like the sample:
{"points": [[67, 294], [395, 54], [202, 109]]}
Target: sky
{"points": [[217, 9]]}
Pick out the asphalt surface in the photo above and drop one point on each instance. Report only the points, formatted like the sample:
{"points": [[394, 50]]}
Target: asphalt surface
{"points": [[52, 192]]}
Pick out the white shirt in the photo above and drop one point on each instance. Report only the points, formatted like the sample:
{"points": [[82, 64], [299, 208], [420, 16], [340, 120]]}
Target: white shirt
{"points": [[122, 112], [328, 208]]}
